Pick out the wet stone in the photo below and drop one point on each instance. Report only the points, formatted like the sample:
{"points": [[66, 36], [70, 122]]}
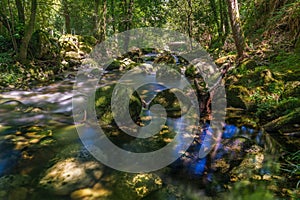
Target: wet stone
{"points": [[69, 174], [136, 186]]}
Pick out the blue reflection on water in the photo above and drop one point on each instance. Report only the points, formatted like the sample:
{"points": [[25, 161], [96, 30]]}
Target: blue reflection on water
{"points": [[198, 166], [230, 131]]}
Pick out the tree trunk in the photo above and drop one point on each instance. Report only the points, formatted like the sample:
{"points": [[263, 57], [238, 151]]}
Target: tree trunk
{"points": [[235, 21], [128, 22], [114, 18], [67, 16], [129, 15], [96, 20], [214, 11], [22, 54], [9, 24], [103, 23], [21, 13]]}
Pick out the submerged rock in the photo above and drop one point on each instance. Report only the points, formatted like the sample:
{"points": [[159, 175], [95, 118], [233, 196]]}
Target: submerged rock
{"points": [[14, 181], [135, 186], [167, 192], [66, 175], [175, 107], [250, 165], [103, 105], [91, 193]]}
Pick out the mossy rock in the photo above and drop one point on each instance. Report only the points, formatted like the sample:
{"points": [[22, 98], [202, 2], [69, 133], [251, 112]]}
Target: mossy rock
{"points": [[134, 54], [165, 58], [154, 143], [167, 192], [284, 123], [168, 99], [233, 152], [124, 64], [135, 186], [103, 105], [248, 64], [88, 40], [14, 181], [236, 96], [69, 42], [250, 165], [43, 47], [87, 43], [72, 55], [85, 48], [114, 65], [291, 89], [68, 175]]}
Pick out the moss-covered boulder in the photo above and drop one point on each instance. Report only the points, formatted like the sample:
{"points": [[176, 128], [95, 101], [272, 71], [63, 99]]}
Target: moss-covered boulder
{"points": [[103, 105], [135, 186], [74, 48], [121, 64], [73, 168], [231, 154], [87, 43], [69, 43], [291, 89], [165, 58], [44, 47], [250, 165], [68, 175], [237, 96], [175, 107], [134, 54]]}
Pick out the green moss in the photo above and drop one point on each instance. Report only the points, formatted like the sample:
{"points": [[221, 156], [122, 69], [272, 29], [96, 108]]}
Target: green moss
{"points": [[286, 66], [135, 186], [282, 123], [237, 96], [171, 103], [103, 105]]}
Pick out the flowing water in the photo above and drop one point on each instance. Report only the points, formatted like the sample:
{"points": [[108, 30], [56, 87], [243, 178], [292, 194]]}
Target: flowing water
{"points": [[37, 125]]}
